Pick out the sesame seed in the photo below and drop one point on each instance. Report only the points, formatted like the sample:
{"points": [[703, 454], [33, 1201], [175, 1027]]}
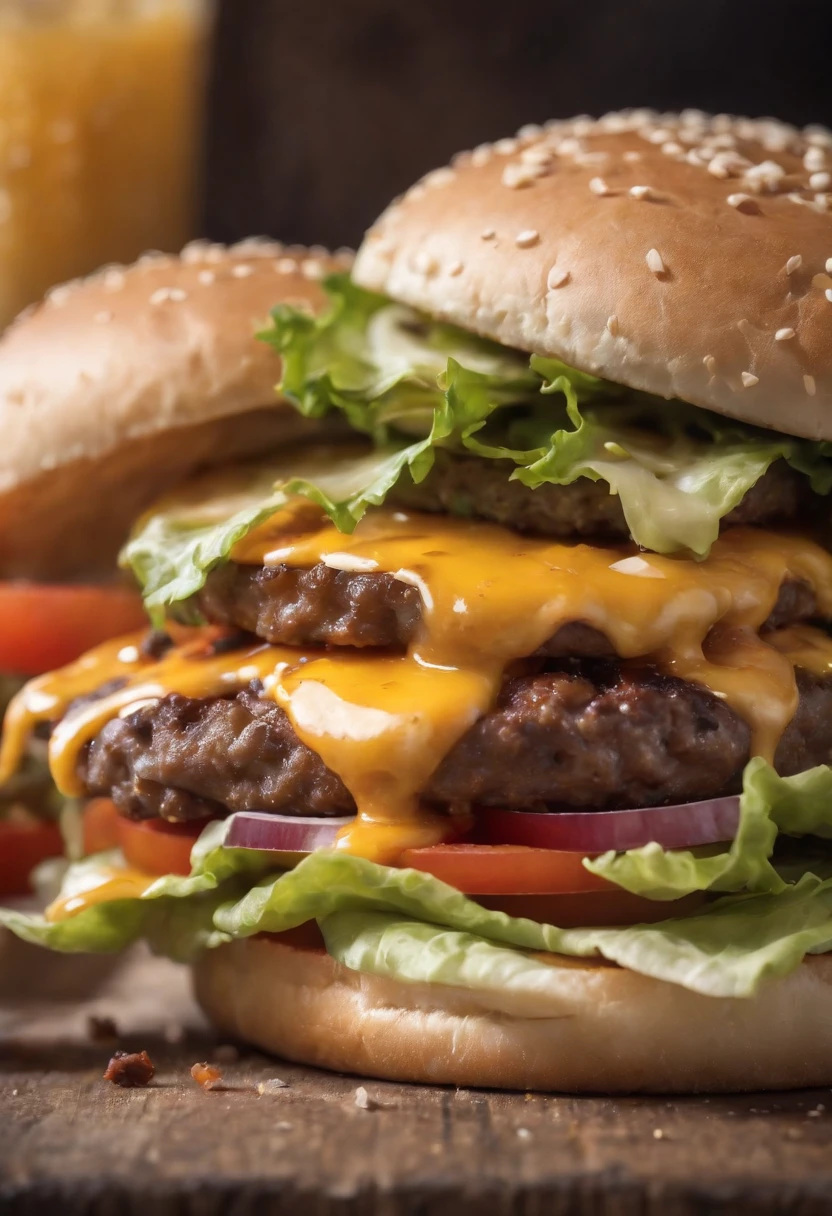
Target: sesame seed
{"points": [[820, 181], [598, 186], [439, 177], [743, 202], [516, 176], [114, 280], [794, 263], [783, 335], [829, 265], [749, 379], [177, 295], [765, 176], [671, 148], [655, 262], [710, 363], [101, 318], [242, 271], [527, 238], [506, 147], [814, 159], [455, 268], [481, 155], [591, 160], [556, 277], [612, 325], [569, 147], [160, 296], [206, 277], [286, 265], [424, 262], [537, 154], [828, 294], [632, 157], [640, 192], [58, 296], [658, 1134], [488, 234], [809, 385], [311, 268]]}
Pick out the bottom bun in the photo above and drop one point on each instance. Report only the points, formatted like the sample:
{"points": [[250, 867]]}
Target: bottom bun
{"points": [[604, 1030]]}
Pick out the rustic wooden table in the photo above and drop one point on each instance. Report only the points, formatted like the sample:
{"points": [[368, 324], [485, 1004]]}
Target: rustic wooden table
{"points": [[71, 1143]]}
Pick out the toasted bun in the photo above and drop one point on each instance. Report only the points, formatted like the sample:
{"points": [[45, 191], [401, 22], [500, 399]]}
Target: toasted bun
{"points": [[120, 385], [607, 1030], [663, 252]]}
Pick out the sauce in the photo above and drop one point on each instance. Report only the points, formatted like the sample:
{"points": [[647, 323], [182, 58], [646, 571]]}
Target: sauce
{"points": [[99, 136], [384, 722]]}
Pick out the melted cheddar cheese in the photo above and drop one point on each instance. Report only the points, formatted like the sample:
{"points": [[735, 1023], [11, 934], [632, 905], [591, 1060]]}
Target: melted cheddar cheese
{"points": [[100, 886], [384, 722]]}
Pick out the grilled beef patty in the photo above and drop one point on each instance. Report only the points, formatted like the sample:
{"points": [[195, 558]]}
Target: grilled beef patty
{"points": [[590, 735], [481, 489], [320, 606]]}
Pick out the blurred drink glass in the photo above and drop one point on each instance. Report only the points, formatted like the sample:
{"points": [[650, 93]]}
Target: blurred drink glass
{"points": [[101, 104]]}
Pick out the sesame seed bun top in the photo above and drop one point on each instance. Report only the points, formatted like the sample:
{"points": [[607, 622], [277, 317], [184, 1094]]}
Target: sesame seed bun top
{"points": [[118, 386], [685, 255]]}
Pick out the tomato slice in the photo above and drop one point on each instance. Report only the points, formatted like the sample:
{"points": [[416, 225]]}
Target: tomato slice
{"points": [[44, 626], [478, 869], [592, 909], [101, 819], [22, 846], [157, 847]]}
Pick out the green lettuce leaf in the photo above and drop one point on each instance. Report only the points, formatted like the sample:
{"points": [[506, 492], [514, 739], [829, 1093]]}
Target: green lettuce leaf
{"points": [[412, 387], [394, 373], [770, 804], [727, 949]]}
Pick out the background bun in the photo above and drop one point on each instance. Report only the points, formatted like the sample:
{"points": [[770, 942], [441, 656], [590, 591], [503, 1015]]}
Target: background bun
{"points": [[608, 1030], [118, 386], [685, 255]]}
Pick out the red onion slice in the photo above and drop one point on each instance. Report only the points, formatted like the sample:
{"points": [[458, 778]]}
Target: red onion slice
{"points": [[673, 827], [282, 833]]}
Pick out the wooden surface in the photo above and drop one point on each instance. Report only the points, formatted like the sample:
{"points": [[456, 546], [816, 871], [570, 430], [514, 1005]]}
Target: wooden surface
{"points": [[71, 1143]]}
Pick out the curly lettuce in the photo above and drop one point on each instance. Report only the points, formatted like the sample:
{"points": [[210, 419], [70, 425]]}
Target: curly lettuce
{"points": [[411, 387], [408, 380]]}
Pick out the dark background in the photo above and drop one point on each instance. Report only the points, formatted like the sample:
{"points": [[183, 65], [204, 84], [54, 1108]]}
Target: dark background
{"points": [[322, 110]]}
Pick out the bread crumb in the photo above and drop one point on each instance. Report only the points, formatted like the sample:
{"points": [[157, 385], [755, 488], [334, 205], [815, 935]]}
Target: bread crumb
{"points": [[272, 1085], [363, 1100], [130, 1069], [207, 1076]]}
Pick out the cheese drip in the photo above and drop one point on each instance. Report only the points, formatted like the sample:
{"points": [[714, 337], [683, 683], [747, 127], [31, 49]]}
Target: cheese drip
{"points": [[490, 595], [384, 723]]}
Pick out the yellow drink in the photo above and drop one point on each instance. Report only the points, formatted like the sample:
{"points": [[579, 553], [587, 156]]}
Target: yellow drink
{"points": [[100, 106]]}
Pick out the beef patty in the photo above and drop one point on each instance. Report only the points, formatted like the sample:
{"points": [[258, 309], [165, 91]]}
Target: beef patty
{"points": [[482, 489], [591, 735], [320, 606]]}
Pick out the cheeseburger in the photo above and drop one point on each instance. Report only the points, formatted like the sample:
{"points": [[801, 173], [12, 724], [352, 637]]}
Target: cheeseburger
{"points": [[79, 374], [483, 734]]}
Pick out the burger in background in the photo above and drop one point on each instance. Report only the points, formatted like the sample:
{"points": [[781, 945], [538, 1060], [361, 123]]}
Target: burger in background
{"points": [[485, 736], [98, 358]]}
